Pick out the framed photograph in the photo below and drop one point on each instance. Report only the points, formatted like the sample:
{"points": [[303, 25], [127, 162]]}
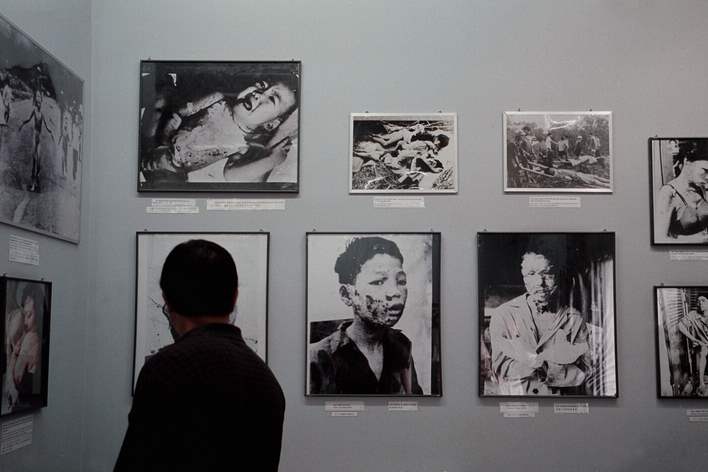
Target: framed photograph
{"points": [[250, 252], [403, 153], [679, 183], [373, 314], [209, 126], [558, 151], [547, 315], [41, 138], [681, 341], [25, 312]]}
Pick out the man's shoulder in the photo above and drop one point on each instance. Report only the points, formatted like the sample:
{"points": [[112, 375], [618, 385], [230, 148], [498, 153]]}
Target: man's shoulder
{"points": [[513, 304], [329, 344]]}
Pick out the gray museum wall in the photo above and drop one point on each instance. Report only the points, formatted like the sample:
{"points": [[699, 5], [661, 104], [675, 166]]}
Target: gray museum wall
{"points": [[644, 60], [64, 29]]}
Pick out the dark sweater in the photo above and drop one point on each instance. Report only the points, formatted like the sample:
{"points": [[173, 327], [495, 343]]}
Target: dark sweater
{"points": [[205, 403]]}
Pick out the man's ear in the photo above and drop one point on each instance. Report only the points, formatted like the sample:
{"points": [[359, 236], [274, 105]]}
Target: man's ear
{"points": [[235, 295], [345, 293]]}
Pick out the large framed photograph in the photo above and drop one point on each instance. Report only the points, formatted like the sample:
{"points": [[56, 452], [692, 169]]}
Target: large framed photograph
{"points": [[25, 312], [547, 314], [373, 314], [403, 153], [681, 341], [250, 252], [41, 136], [219, 126], [679, 183], [558, 151]]}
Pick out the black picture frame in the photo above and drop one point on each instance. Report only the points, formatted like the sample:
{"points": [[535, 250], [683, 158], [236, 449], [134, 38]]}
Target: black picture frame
{"points": [[666, 160], [31, 393], [247, 112], [250, 264], [677, 357], [529, 367], [409, 244]]}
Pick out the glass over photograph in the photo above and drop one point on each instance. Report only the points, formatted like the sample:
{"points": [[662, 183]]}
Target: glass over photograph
{"points": [[403, 153], [219, 126], [24, 325], [373, 314], [547, 314], [679, 175], [552, 151], [152, 327], [41, 136], [682, 341]]}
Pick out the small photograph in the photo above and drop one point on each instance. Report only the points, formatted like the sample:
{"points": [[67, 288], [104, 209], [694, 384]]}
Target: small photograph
{"points": [[24, 325], [547, 314], [551, 151], [403, 153], [682, 341], [679, 175], [152, 327], [373, 314], [41, 136], [219, 126]]}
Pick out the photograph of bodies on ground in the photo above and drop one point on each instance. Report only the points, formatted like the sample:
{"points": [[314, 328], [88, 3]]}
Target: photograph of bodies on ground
{"points": [[41, 128], [250, 253], [219, 126], [547, 314], [403, 153], [373, 314], [568, 151], [682, 341], [679, 177]]}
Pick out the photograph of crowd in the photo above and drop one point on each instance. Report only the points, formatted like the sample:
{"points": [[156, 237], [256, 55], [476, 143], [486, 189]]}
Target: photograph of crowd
{"points": [[403, 153], [25, 311], [373, 314], [219, 126], [682, 341], [558, 151], [152, 327], [679, 172], [547, 314], [41, 130]]}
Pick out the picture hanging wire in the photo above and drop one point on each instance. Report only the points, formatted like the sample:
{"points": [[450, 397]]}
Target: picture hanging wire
{"points": [[261, 230], [656, 136], [518, 109], [662, 284], [440, 111], [590, 109], [314, 230]]}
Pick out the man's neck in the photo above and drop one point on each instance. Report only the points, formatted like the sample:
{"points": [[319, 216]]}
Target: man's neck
{"points": [[363, 336], [184, 324]]}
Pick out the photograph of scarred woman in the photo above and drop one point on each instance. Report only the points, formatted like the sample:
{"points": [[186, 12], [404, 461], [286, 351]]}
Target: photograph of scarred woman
{"points": [[373, 314], [25, 324], [225, 126]]}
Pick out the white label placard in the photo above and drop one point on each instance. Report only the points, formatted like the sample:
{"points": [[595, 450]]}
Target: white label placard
{"points": [[345, 406], [698, 419], [543, 201], [571, 408], [396, 405], [348, 414], [697, 412], [399, 202], [23, 250], [15, 434], [688, 255], [233, 204], [173, 205], [518, 409]]}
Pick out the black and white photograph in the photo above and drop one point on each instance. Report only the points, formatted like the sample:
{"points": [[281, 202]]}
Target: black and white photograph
{"points": [[558, 151], [152, 327], [41, 136], [679, 182], [219, 126], [373, 314], [547, 314], [403, 153], [24, 328], [682, 341]]}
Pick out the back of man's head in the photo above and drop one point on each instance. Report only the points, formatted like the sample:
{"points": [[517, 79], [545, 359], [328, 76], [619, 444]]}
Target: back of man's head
{"points": [[199, 278]]}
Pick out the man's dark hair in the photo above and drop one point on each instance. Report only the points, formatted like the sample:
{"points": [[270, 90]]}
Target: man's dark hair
{"points": [[199, 278], [550, 247], [360, 250]]}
